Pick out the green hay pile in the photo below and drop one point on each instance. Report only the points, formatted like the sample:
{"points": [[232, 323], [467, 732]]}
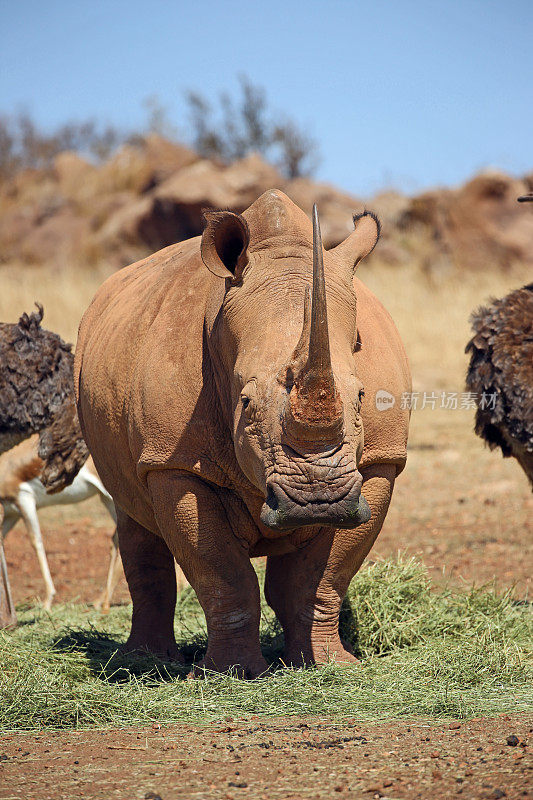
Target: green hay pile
{"points": [[423, 652]]}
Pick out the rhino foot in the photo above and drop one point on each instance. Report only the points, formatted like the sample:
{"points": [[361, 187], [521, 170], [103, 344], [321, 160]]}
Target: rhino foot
{"points": [[242, 667], [319, 652], [165, 651]]}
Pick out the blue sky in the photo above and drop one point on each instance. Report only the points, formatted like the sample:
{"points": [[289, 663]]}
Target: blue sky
{"points": [[402, 93]]}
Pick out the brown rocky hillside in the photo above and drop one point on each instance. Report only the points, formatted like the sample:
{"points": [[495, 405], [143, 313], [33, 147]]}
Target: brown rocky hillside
{"points": [[152, 194]]}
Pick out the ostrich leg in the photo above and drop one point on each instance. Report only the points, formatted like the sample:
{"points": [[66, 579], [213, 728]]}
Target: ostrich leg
{"points": [[8, 618]]}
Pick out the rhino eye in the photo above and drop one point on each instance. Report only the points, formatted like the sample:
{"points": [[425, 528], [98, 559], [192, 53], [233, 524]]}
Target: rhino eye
{"points": [[247, 398]]}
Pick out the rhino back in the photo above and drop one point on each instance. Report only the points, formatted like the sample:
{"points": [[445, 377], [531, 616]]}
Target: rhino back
{"points": [[381, 363]]}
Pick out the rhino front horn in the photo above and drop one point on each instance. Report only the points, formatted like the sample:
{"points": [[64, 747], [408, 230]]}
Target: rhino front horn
{"points": [[315, 408]]}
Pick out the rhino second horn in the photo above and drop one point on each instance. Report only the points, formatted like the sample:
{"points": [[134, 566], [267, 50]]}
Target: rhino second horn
{"points": [[301, 351]]}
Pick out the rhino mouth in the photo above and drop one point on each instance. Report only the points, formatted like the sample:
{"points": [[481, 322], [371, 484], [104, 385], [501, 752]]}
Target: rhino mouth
{"points": [[285, 508]]}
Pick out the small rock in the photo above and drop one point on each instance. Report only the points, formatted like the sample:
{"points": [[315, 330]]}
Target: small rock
{"points": [[434, 754], [242, 785], [498, 793], [513, 740], [454, 726], [152, 796]]}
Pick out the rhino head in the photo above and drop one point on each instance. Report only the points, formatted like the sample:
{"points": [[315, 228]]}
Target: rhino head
{"points": [[281, 342]]}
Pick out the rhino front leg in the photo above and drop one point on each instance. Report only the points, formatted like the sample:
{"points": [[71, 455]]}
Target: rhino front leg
{"points": [[149, 569], [306, 589], [216, 563]]}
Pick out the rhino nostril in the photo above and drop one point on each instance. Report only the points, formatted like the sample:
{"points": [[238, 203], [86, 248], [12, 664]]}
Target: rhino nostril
{"points": [[271, 499]]}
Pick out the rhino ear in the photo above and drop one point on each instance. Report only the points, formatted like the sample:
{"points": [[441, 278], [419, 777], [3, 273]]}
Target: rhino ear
{"points": [[225, 243], [362, 241]]}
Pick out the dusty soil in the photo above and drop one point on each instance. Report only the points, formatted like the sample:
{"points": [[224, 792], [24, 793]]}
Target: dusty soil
{"points": [[285, 758], [78, 555]]}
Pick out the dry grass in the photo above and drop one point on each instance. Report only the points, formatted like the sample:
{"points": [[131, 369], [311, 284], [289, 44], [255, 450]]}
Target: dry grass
{"points": [[424, 653], [431, 312], [64, 292]]}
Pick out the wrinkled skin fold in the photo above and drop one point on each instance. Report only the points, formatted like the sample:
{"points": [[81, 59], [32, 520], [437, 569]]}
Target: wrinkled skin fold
{"points": [[325, 486], [229, 411]]}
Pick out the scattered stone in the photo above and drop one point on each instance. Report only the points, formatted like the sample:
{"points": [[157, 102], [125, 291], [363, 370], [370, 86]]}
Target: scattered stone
{"points": [[498, 793], [454, 726], [152, 796], [513, 740], [242, 785]]}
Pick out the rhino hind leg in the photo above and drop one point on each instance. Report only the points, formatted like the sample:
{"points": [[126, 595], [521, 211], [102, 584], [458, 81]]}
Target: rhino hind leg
{"points": [[149, 569], [192, 518], [306, 589]]}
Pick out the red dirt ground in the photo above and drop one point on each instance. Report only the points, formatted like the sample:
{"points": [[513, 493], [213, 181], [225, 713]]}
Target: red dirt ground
{"points": [[285, 758]]}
